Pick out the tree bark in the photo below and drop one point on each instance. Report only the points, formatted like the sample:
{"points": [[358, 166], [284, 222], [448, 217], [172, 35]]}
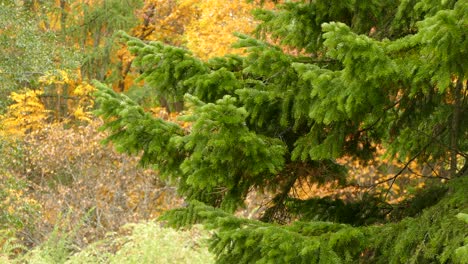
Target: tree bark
{"points": [[455, 125]]}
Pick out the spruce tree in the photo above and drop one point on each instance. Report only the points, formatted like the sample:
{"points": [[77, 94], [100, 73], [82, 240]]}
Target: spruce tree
{"points": [[319, 80]]}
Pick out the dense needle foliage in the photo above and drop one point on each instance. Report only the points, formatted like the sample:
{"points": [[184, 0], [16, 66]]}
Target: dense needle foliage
{"points": [[322, 80]]}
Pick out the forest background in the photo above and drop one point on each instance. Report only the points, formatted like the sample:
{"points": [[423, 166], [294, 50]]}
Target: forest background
{"points": [[65, 197]]}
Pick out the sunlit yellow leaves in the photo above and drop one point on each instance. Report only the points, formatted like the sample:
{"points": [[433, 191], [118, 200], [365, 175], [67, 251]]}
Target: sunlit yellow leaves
{"points": [[77, 95], [27, 113], [211, 34], [67, 98], [164, 20], [83, 89], [83, 106], [81, 115], [205, 27], [124, 58], [159, 20], [60, 77]]}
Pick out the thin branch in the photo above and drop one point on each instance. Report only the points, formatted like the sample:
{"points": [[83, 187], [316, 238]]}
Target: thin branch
{"points": [[427, 177], [442, 144], [56, 95], [22, 73], [378, 119], [432, 169], [369, 126], [393, 179], [394, 176]]}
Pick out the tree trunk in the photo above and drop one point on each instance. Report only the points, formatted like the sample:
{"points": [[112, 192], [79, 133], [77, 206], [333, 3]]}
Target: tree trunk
{"points": [[63, 17], [455, 125]]}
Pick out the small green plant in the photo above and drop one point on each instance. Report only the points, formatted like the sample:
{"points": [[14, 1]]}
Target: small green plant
{"points": [[148, 242], [60, 244], [461, 253], [18, 212], [10, 246]]}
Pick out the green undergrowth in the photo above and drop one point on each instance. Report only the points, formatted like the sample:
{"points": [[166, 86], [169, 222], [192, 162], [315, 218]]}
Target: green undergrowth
{"points": [[461, 253], [433, 235], [139, 243], [149, 243]]}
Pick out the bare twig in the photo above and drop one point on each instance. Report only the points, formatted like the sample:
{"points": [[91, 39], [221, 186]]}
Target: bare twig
{"points": [[378, 119], [22, 73], [432, 169], [441, 143], [393, 179], [428, 177]]}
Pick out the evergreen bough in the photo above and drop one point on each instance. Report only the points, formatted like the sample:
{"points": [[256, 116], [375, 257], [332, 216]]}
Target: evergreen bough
{"points": [[321, 80]]}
